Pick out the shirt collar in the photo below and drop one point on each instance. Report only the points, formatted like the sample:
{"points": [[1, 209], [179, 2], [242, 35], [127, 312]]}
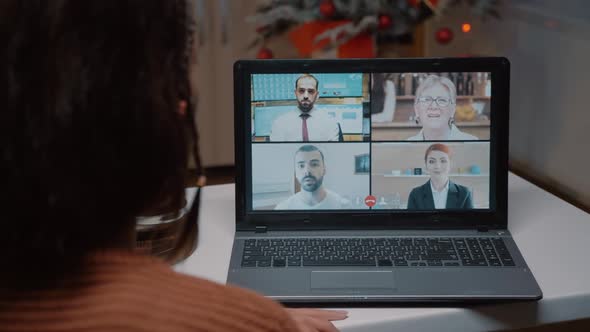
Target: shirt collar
{"points": [[445, 189], [452, 133], [308, 113]]}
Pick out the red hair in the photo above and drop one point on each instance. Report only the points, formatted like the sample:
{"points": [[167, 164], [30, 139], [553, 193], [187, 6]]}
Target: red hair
{"points": [[437, 147]]}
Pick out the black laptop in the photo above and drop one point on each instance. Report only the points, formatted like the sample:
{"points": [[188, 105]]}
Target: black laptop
{"points": [[375, 180]]}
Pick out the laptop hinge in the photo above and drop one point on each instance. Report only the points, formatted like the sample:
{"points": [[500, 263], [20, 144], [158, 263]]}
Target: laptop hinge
{"points": [[483, 229], [260, 229]]}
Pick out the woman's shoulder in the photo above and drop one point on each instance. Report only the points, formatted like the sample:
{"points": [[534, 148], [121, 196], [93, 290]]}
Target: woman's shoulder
{"points": [[460, 188], [171, 301], [421, 187], [457, 134], [215, 307], [418, 137], [116, 291]]}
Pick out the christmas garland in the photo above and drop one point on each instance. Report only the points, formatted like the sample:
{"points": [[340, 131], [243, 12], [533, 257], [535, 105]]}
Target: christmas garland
{"points": [[386, 20]]}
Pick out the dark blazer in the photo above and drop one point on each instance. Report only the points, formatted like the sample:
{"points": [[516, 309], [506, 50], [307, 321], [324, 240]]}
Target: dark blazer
{"points": [[459, 197]]}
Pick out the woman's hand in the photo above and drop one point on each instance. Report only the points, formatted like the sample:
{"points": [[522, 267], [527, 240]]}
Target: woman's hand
{"points": [[316, 320]]}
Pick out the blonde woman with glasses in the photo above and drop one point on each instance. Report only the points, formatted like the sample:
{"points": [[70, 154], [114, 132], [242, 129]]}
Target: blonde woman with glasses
{"points": [[435, 104]]}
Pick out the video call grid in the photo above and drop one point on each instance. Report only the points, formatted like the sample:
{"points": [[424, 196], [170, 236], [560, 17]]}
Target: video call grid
{"points": [[371, 142]]}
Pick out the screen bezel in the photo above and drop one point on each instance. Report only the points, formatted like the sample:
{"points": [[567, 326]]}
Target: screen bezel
{"points": [[376, 219]]}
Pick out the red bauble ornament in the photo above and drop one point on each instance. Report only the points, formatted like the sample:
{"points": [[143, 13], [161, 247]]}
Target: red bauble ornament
{"points": [[385, 22], [264, 53], [327, 8], [262, 29], [444, 35], [413, 3]]}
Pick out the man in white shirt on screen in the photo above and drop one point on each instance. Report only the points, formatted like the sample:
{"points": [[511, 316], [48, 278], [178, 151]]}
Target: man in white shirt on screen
{"points": [[310, 169], [307, 123]]}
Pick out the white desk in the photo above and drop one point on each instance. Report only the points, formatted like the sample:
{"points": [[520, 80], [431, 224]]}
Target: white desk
{"points": [[553, 236]]}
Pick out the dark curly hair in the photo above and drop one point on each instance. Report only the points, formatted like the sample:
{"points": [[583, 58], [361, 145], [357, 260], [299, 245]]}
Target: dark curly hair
{"points": [[90, 136]]}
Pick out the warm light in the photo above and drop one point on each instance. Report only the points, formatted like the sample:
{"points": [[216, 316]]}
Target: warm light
{"points": [[466, 27]]}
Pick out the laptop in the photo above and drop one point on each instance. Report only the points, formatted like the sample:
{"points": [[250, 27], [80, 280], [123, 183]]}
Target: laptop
{"points": [[375, 180]]}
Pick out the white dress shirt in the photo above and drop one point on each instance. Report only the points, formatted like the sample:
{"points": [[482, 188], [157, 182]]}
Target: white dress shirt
{"points": [[440, 197], [289, 127]]}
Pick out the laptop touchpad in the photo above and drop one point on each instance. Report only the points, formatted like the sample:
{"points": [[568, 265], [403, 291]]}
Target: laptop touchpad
{"points": [[351, 279]]}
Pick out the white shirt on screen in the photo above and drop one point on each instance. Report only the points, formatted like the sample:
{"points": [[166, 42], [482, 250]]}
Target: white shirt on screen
{"points": [[454, 135], [440, 197], [332, 201], [289, 127]]}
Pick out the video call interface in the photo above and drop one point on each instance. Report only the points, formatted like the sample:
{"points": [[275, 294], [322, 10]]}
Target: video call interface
{"points": [[370, 141]]}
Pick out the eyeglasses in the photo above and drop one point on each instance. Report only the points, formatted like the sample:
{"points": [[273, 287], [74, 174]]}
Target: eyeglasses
{"points": [[440, 101]]}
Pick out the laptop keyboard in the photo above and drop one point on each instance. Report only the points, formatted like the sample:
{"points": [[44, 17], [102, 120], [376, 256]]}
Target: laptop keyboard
{"points": [[402, 252]]}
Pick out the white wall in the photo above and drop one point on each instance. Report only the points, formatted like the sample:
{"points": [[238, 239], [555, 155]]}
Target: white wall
{"points": [[222, 36], [548, 44]]}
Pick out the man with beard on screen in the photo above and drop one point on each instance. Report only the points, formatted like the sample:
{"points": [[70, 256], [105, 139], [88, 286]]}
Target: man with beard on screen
{"points": [[307, 123], [310, 169]]}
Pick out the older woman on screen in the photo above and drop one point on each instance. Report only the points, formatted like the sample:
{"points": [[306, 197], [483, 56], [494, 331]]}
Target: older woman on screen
{"points": [[439, 192], [435, 105]]}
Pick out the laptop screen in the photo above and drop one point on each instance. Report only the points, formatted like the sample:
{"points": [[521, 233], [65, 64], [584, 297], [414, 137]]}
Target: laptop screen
{"points": [[369, 141]]}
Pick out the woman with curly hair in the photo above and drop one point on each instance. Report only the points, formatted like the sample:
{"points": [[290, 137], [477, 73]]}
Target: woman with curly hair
{"points": [[90, 138]]}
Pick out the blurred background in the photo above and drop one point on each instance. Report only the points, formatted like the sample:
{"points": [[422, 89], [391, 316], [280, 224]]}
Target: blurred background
{"points": [[547, 42]]}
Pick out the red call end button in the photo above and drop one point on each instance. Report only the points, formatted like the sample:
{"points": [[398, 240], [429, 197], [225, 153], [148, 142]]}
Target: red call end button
{"points": [[370, 201]]}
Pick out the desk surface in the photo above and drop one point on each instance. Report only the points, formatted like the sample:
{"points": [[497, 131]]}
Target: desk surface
{"points": [[553, 236]]}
